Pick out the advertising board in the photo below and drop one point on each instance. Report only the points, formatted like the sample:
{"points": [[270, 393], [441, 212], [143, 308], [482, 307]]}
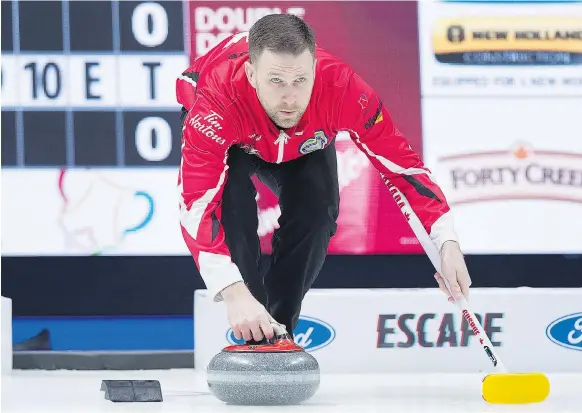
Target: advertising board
{"points": [[418, 331], [500, 48]]}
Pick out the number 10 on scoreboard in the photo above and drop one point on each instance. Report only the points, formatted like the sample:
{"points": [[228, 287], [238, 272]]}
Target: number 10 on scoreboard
{"points": [[90, 80]]}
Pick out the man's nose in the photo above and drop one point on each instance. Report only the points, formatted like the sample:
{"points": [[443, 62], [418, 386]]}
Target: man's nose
{"points": [[289, 96]]}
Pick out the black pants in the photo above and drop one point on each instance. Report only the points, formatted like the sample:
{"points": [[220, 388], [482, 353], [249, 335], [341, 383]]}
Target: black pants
{"points": [[308, 194]]}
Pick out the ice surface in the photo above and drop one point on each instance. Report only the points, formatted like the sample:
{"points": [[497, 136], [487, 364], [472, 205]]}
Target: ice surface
{"points": [[186, 391]]}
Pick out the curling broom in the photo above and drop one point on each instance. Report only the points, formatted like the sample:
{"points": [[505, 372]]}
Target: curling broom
{"points": [[500, 387]]}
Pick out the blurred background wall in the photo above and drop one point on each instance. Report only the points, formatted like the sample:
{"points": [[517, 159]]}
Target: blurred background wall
{"points": [[489, 93]]}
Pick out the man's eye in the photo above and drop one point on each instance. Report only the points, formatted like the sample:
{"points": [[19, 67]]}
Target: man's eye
{"points": [[301, 79], [275, 80]]}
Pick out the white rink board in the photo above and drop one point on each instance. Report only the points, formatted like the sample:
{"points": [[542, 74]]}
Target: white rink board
{"points": [[6, 337], [377, 331]]}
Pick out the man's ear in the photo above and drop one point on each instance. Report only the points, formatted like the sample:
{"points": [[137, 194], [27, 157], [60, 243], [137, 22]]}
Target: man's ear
{"points": [[251, 74]]}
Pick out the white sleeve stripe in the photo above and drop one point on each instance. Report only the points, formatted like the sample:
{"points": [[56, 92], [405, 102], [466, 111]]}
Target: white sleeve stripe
{"points": [[191, 218], [391, 166], [442, 230], [187, 79]]}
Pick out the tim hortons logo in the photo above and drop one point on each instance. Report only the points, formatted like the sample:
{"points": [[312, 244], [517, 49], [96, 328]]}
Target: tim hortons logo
{"points": [[209, 126], [518, 172]]}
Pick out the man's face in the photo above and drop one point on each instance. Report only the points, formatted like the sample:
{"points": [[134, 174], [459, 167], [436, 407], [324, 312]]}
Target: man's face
{"points": [[283, 83]]}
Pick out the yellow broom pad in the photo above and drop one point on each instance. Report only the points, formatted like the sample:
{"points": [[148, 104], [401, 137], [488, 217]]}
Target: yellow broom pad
{"points": [[515, 388]]}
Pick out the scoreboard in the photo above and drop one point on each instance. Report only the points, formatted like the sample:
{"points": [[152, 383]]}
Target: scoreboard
{"points": [[91, 83]]}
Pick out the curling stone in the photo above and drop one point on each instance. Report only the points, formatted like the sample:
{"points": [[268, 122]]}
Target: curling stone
{"points": [[278, 372]]}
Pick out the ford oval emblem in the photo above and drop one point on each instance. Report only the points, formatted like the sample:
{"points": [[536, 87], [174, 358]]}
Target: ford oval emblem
{"points": [[310, 333], [566, 331]]}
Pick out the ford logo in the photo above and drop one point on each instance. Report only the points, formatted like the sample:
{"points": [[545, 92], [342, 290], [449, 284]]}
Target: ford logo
{"points": [[310, 333], [566, 331]]}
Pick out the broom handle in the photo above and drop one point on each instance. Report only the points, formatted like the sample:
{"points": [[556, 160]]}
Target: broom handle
{"points": [[434, 256]]}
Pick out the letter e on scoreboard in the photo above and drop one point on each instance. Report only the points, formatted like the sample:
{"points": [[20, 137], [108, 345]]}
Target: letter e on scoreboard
{"points": [[94, 81]]}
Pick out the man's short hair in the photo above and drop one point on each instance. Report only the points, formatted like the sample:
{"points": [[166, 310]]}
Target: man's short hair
{"points": [[280, 33]]}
